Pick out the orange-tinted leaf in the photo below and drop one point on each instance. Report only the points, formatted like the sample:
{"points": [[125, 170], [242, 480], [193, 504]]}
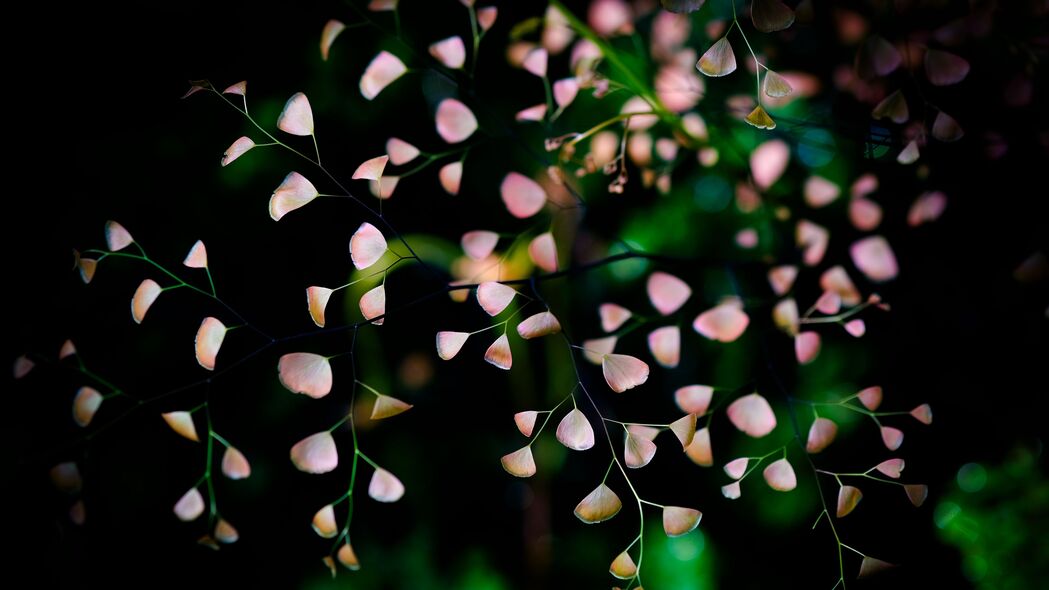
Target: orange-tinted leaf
{"points": [[293, 193], [665, 345], [498, 354], [305, 372], [85, 404], [718, 60], [327, 559], [450, 343], [67, 350], [541, 324], [387, 406], [752, 415], [892, 437], [190, 506], [197, 256], [598, 506], [916, 493], [821, 434], [522, 196], [331, 30], [574, 431], [383, 70], [699, 449], [146, 293], [623, 372], [836, 279], [723, 323], [367, 246], [526, 421], [117, 238], [385, 487], [776, 86], [637, 451], [297, 116], [848, 498], [234, 464], [623, 566], [613, 316], [347, 557], [519, 463], [923, 414], [760, 119], [87, 267], [225, 533], [451, 176], [666, 292], [543, 251], [451, 52], [182, 423], [316, 453], [786, 317], [679, 521], [324, 522], [807, 347], [875, 258], [455, 121], [780, 476], [317, 301], [694, 399]]}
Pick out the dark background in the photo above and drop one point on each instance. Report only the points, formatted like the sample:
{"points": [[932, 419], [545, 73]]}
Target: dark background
{"points": [[98, 132]]}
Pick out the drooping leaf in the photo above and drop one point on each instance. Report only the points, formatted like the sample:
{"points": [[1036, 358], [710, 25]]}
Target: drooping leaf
{"points": [[85, 404], [574, 431], [385, 487], [117, 238], [146, 293], [807, 347], [820, 192], [623, 566], [724, 323], [694, 399], [535, 62], [317, 301], [943, 68], [234, 464], [598, 506], [543, 252], [486, 17], [450, 343], [367, 246], [848, 498], [526, 421], [666, 292], [684, 428], [623, 372], [770, 15], [373, 304], [917, 493], [316, 453], [781, 278], [387, 406], [821, 434], [718, 60], [923, 414], [401, 152], [451, 176], [946, 128], [565, 91], [306, 373], [372, 168], [494, 297], [891, 467], [699, 449], [613, 316], [455, 121], [479, 244], [347, 557], [451, 52], [383, 70], [197, 256], [182, 423], [732, 491], [870, 566], [293, 193], [324, 522], [522, 196], [297, 116], [519, 463], [499, 355], [768, 162], [780, 476], [752, 415], [236, 150], [331, 31], [678, 521], [665, 345], [775, 85], [892, 437], [875, 258], [737, 467], [893, 107], [225, 532], [637, 451], [208, 342], [594, 350], [870, 397], [760, 118], [541, 324], [190, 506]]}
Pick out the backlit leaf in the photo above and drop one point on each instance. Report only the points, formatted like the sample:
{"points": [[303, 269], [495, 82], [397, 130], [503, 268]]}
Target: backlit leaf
{"points": [[780, 476], [574, 431], [367, 246], [146, 293], [694, 399], [208, 342], [526, 421], [807, 347], [541, 324], [718, 60], [236, 150], [892, 437], [450, 343], [451, 52], [85, 404], [331, 30], [316, 453], [373, 304], [821, 434], [637, 451], [699, 449], [522, 196], [190, 506], [678, 521], [306, 373], [234, 464], [543, 251], [293, 193], [598, 506], [455, 122], [387, 406], [623, 372], [324, 522], [383, 70], [297, 116], [317, 301], [385, 487], [848, 498], [875, 258], [498, 354], [197, 256], [723, 323], [666, 292], [752, 415], [665, 345], [182, 423], [613, 316]]}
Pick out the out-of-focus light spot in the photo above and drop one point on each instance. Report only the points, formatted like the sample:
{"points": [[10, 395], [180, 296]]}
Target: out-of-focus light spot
{"points": [[972, 477], [688, 547], [816, 148], [945, 513], [974, 567], [878, 141], [627, 269], [712, 193]]}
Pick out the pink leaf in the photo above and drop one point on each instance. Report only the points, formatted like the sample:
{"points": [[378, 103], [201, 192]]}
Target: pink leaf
{"points": [[68, 349], [870, 566], [923, 414], [315, 453], [234, 464], [752, 415], [623, 566], [383, 188], [856, 328], [943, 68], [498, 354], [665, 344], [494, 297], [891, 467], [367, 246], [331, 30], [240, 88], [293, 193], [820, 192], [574, 431], [182, 424], [486, 17], [190, 506], [208, 342], [533, 113], [324, 522], [543, 252], [306, 373], [637, 451], [848, 498], [892, 437], [117, 238], [450, 343], [526, 421], [645, 432], [613, 316], [699, 450], [780, 476], [782, 278], [870, 397], [916, 493], [197, 257], [85, 404], [694, 399], [723, 323], [400, 151], [541, 324], [146, 293], [297, 116], [455, 122], [807, 347], [236, 150], [522, 196], [535, 62], [598, 506], [731, 491], [829, 303], [821, 434], [383, 70], [926, 208], [718, 60], [874, 257], [451, 176], [382, 5], [595, 350], [623, 372], [737, 467], [371, 169], [385, 487], [836, 279], [864, 214], [451, 52], [373, 304], [768, 162], [565, 91], [667, 292], [679, 521], [813, 238], [317, 301], [519, 463], [684, 428]]}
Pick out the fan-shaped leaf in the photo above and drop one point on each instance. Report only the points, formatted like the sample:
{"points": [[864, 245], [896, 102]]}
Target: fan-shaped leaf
{"points": [[574, 431], [305, 372], [541, 324], [821, 434], [367, 246], [385, 487], [666, 292], [623, 372], [85, 404], [451, 52], [752, 415], [455, 122], [316, 453], [383, 70], [182, 423], [848, 498], [146, 293], [293, 193], [498, 354], [234, 464], [679, 521], [208, 342], [598, 506], [297, 116], [450, 343], [190, 506], [780, 476], [718, 60], [522, 196]]}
